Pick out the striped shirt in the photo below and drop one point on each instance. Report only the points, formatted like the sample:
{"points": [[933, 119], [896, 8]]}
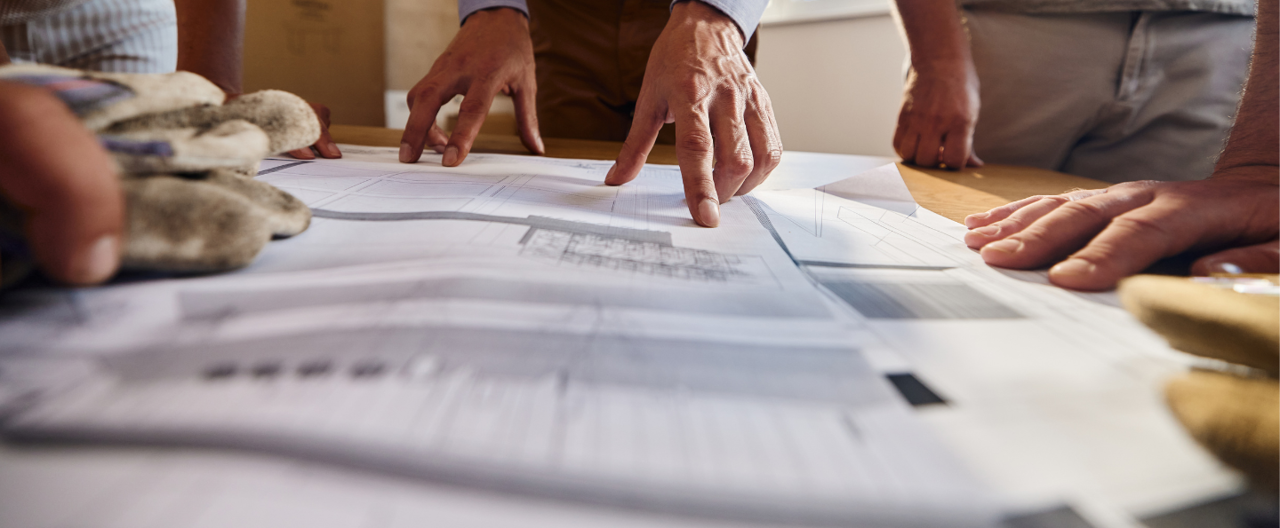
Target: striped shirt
{"points": [[128, 36]]}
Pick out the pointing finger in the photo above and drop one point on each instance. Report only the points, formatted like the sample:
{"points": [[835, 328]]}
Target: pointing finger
{"points": [[694, 146], [471, 115], [423, 108]]}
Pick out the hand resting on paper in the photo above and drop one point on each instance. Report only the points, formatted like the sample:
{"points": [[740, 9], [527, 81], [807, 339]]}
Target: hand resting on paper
{"points": [[1108, 234]]}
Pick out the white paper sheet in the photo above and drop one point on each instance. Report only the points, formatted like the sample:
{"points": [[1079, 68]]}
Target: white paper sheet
{"points": [[512, 328]]}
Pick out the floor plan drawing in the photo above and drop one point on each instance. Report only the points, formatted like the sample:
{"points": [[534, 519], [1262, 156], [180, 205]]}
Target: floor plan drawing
{"points": [[831, 355]]}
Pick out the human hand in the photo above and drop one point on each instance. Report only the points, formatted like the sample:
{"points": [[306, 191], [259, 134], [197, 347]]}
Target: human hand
{"points": [[1111, 233], [491, 53], [698, 77], [73, 205], [938, 115], [323, 146]]}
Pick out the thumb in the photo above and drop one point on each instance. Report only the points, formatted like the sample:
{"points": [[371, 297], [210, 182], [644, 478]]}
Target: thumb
{"points": [[1258, 258], [53, 169]]}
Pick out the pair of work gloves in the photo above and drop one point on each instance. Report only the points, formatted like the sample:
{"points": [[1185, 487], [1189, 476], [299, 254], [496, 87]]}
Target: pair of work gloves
{"points": [[186, 159], [1235, 416]]}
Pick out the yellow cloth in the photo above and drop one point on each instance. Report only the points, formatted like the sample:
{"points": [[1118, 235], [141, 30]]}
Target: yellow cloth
{"points": [[1237, 418]]}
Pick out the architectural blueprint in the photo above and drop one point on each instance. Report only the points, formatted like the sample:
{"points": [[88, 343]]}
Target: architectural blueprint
{"points": [[830, 356]]}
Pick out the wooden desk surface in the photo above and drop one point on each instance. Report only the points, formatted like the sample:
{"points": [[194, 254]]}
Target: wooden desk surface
{"points": [[953, 194]]}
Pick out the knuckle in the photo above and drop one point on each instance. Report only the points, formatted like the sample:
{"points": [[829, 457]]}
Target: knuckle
{"points": [[769, 159], [1138, 224], [1057, 199], [698, 141], [1089, 210], [738, 165]]}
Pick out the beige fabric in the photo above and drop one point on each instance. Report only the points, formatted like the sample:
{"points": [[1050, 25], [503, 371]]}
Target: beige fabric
{"points": [[187, 163], [1208, 321], [1113, 96], [1226, 7], [1236, 418]]}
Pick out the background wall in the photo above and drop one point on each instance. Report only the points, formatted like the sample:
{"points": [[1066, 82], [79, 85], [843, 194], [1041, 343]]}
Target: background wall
{"points": [[326, 51], [835, 85]]}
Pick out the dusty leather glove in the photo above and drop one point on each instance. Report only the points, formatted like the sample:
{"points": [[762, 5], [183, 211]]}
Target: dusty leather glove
{"points": [[186, 159], [1235, 417]]}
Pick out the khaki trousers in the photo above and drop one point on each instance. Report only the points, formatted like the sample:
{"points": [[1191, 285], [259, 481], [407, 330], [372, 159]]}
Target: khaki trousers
{"points": [[590, 57], [1112, 96]]}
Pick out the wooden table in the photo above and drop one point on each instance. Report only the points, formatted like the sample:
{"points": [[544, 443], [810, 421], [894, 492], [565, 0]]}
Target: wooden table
{"points": [[953, 194]]}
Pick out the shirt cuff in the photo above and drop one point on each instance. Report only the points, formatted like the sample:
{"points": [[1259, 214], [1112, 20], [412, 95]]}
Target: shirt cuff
{"points": [[745, 13], [467, 7]]}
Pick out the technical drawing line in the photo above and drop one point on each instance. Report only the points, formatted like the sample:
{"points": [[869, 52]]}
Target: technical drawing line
{"points": [[537, 222], [763, 217], [281, 167]]}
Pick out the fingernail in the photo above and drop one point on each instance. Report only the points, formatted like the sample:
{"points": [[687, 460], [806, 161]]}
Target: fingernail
{"points": [[1073, 268], [608, 176], [1225, 267], [1008, 245], [450, 156], [709, 210], [987, 231], [438, 148], [332, 150], [976, 217], [406, 153], [98, 262]]}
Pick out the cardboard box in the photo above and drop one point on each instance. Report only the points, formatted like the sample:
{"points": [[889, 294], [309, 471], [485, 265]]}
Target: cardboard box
{"points": [[326, 51]]}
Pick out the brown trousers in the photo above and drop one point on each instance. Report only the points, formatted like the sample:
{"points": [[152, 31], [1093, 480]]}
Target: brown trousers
{"points": [[590, 57]]}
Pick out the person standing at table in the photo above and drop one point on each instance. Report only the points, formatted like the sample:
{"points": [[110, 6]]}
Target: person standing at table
{"points": [[611, 70], [1117, 90], [1098, 237]]}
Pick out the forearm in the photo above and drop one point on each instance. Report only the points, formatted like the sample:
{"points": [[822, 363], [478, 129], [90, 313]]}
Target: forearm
{"points": [[211, 40], [934, 34], [1254, 140]]}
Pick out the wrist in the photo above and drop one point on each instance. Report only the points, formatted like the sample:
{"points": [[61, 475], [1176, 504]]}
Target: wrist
{"points": [[501, 14], [942, 63], [693, 11], [1261, 173]]}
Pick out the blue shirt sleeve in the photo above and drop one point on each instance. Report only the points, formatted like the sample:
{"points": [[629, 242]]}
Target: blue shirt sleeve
{"points": [[467, 7], [746, 13]]}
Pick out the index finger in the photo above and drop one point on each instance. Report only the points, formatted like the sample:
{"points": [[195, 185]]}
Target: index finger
{"points": [[1128, 245], [471, 115], [325, 145], [694, 147], [422, 115]]}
